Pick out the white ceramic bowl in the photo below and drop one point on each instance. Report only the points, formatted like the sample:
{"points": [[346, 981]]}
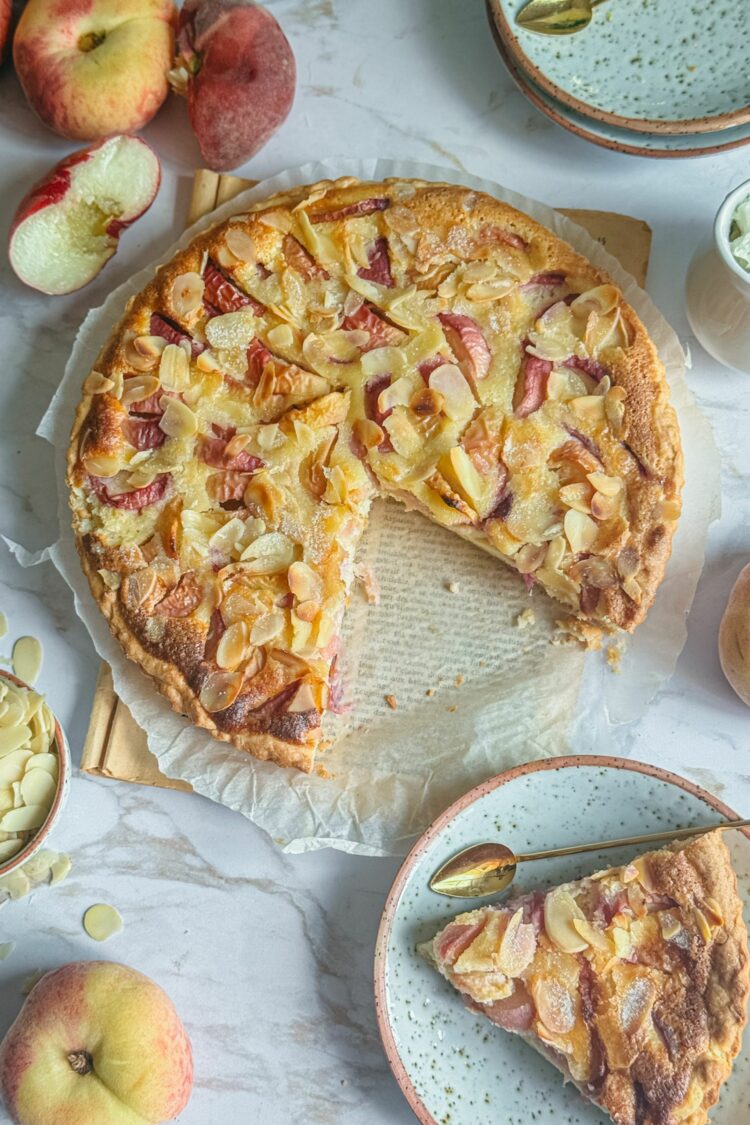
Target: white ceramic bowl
{"points": [[717, 290], [37, 842]]}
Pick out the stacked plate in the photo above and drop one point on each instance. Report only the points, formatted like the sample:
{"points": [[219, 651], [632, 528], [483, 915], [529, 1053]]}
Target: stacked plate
{"points": [[667, 78]]}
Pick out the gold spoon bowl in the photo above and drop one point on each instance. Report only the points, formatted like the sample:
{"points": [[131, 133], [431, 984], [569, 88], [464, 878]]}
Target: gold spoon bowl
{"points": [[557, 17], [490, 868]]}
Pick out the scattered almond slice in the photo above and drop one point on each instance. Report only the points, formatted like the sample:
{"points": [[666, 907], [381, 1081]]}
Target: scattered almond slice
{"points": [[3, 624], [6, 948], [27, 659], [37, 868], [102, 921], [60, 869], [16, 885]]}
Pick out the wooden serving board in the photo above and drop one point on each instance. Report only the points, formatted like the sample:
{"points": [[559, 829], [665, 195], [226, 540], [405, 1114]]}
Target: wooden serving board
{"points": [[115, 745]]}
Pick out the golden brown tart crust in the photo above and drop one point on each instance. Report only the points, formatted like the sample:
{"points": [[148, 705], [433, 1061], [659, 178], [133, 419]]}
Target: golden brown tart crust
{"points": [[653, 995], [337, 342]]}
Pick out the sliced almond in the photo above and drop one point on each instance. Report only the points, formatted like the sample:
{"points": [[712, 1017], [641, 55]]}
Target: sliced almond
{"points": [[304, 582], [23, 819], [604, 507], [304, 699], [555, 1006], [187, 294], [220, 690], [714, 911], [281, 336], [576, 496], [102, 921], [48, 762], [308, 610], [38, 788], [560, 911], [602, 298], [368, 433], [174, 369], [233, 646], [143, 353], [458, 468], [608, 486], [700, 918], [530, 557], [178, 420], [517, 946], [266, 628], [593, 936], [623, 942], [273, 544], [240, 244], [449, 381], [97, 384], [580, 531], [139, 388], [395, 394]]}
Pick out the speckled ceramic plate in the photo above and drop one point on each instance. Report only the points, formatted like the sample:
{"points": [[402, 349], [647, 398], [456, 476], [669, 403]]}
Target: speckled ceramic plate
{"points": [[454, 1067], [610, 136], [653, 66]]}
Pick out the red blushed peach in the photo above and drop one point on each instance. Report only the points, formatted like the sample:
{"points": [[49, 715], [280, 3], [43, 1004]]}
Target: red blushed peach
{"points": [[6, 11], [96, 1043], [238, 70], [91, 68]]}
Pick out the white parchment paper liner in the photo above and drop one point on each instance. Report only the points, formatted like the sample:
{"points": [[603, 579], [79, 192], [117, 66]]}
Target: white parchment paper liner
{"points": [[394, 771]]}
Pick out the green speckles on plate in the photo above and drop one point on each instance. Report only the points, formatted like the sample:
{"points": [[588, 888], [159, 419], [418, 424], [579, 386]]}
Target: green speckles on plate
{"points": [[668, 65]]}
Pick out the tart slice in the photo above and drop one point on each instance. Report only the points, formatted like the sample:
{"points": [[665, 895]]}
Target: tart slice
{"points": [[633, 982]]}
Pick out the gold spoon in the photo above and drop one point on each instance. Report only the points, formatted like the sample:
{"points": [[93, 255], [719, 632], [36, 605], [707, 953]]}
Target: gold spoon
{"points": [[557, 17], [488, 869]]}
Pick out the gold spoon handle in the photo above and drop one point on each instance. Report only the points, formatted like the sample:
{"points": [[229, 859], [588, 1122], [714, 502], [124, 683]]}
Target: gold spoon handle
{"points": [[678, 834]]}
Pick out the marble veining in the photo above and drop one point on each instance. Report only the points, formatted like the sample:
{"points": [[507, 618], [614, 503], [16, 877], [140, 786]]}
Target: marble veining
{"points": [[269, 957]]}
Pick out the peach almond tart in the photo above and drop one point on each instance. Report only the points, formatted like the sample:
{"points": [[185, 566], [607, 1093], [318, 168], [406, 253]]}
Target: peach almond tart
{"points": [[339, 342]]}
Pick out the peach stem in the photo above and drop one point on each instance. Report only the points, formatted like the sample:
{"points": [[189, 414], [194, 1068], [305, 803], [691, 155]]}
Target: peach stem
{"points": [[81, 1062]]}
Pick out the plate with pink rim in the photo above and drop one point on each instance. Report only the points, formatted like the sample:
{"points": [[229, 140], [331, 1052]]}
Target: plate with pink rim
{"points": [[454, 1066], [649, 66], [610, 136]]}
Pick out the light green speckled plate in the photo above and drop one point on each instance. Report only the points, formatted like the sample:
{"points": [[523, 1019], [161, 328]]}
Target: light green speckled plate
{"points": [[653, 66], [453, 1066]]}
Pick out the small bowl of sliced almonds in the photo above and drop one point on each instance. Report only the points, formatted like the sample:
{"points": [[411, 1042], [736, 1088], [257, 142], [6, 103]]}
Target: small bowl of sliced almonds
{"points": [[34, 772]]}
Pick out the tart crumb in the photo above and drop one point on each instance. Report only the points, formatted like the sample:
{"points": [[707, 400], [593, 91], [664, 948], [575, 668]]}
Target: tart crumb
{"points": [[453, 587], [430, 691], [369, 583], [526, 619], [615, 654], [453, 708], [392, 702], [460, 679]]}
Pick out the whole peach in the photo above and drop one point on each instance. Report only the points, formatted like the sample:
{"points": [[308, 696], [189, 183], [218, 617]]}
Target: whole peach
{"points": [[237, 68], [6, 11], [91, 68], [96, 1043]]}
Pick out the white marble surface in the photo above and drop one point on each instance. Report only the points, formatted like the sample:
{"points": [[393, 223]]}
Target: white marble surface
{"points": [[268, 958]]}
